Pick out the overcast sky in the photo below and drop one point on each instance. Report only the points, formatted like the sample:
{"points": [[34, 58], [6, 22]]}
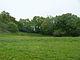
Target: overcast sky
{"points": [[30, 8]]}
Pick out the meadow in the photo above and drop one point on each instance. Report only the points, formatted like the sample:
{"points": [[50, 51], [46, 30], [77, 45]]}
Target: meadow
{"points": [[25, 46]]}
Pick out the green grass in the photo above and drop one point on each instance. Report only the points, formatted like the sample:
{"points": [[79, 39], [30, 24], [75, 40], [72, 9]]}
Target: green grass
{"points": [[25, 46]]}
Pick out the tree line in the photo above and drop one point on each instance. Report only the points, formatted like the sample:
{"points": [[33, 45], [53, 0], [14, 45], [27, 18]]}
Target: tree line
{"points": [[63, 25]]}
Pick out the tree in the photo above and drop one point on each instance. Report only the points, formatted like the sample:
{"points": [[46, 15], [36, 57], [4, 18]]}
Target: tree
{"points": [[6, 17], [12, 27], [25, 25], [37, 21], [3, 27], [67, 24], [47, 26], [6, 20]]}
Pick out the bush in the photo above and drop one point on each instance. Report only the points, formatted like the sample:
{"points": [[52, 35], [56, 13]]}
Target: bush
{"points": [[58, 33], [12, 27]]}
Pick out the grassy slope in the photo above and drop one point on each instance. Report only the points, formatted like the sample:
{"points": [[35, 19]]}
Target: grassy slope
{"points": [[37, 47]]}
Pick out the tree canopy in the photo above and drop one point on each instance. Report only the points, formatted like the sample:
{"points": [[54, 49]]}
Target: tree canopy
{"points": [[63, 25]]}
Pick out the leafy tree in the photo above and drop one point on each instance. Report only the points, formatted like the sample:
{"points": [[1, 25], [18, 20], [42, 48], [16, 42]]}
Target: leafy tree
{"points": [[66, 23], [5, 21], [47, 26], [37, 21], [3, 27], [26, 25], [5, 17], [12, 27]]}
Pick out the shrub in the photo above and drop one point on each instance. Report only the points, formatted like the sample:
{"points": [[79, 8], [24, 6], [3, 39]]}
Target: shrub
{"points": [[12, 27]]}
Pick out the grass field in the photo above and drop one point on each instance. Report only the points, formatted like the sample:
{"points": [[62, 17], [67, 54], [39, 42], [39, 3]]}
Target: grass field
{"points": [[38, 47]]}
